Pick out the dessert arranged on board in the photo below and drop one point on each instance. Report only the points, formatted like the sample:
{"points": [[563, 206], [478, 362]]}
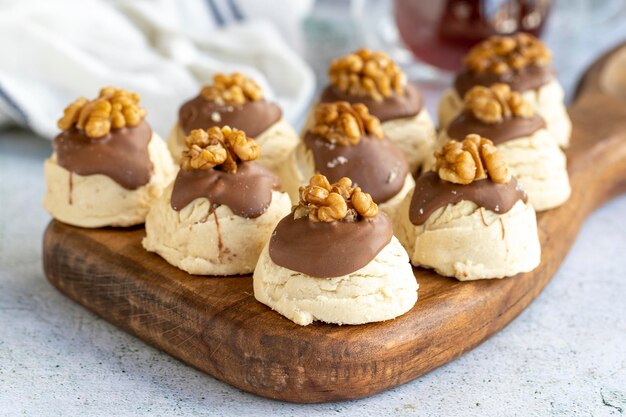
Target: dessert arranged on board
{"points": [[335, 242]]}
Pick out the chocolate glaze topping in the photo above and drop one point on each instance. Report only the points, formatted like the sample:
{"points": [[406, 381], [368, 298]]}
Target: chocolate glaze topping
{"points": [[328, 250], [121, 155], [253, 117], [509, 128], [431, 193], [528, 78], [247, 192], [375, 165], [394, 107]]}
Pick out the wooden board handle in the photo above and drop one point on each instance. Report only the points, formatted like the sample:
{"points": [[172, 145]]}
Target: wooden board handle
{"points": [[601, 162], [598, 150]]}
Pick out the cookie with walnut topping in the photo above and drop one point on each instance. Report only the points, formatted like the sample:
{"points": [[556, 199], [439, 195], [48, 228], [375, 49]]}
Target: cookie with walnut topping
{"points": [[523, 63], [220, 210], [373, 79], [236, 101], [108, 166], [468, 217], [334, 259], [345, 140], [521, 136]]}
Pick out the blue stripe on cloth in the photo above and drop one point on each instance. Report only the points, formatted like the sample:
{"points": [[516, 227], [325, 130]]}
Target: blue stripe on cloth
{"points": [[14, 106], [216, 13], [234, 8]]}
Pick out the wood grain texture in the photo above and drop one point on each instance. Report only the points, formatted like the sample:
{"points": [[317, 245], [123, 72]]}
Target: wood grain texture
{"points": [[216, 325]]}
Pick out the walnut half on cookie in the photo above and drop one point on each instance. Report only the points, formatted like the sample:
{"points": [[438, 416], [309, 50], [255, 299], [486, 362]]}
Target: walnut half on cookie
{"points": [[500, 54], [224, 147], [473, 159], [367, 73], [325, 202], [494, 104], [232, 89], [345, 123], [113, 109]]}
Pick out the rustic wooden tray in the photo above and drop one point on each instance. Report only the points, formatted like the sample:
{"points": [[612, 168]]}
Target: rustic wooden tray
{"points": [[216, 325]]}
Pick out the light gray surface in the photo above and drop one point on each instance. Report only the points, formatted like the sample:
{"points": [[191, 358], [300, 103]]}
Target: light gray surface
{"points": [[563, 356]]}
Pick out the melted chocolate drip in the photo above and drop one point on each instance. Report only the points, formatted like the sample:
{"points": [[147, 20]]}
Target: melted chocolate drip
{"points": [[218, 228], [509, 128], [394, 107], [71, 188], [253, 117], [375, 165], [431, 193], [121, 155], [327, 250], [528, 78], [247, 192]]}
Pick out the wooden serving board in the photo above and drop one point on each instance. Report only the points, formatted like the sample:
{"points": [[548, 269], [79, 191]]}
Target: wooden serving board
{"points": [[216, 325]]}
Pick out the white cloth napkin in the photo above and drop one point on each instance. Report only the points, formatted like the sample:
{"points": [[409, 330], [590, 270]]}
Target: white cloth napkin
{"points": [[52, 52]]}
